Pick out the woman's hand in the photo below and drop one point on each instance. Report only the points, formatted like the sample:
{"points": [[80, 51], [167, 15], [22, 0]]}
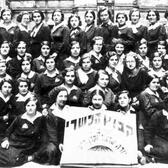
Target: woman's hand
{"points": [[148, 148], [6, 117], [5, 144]]}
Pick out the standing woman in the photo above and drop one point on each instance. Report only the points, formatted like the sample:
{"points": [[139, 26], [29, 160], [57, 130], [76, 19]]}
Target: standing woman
{"points": [[90, 28], [156, 31], [24, 137], [22, 32], [7, 27], [138, 30], [39, 33], [60, 37], [76, 33], [107, 29]]}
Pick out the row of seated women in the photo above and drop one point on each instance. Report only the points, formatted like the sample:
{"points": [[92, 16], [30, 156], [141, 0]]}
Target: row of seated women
{"points": [[118, 68]]}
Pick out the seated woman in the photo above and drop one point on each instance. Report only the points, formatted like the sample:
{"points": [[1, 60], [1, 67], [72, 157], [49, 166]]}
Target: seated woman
{"points": [[55, 122], [74, 93], [23, 137], [85, 75], [7, 106], [114, 74]]}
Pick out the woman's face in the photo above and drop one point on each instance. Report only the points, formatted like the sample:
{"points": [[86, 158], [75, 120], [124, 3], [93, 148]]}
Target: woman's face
{"points": [[31, 107], [119, 48], [97, 101], [21, 49], [25, 19], [157, 62], [121, 19], [124, 100], [74, 22], [7, 16], [37, 18], [26, 66], [6, 89], [113, 61], [70, 78], [152, 17], [97, 47], [57, 17], [154, 84], [143, 50], [75, 50], [45, 50], [23, 88], [89, 19], [161, 50], [62, 98], [50, 65], [2, 68], [130, 62], [103, 80], [104, 16], [4, 49], [135, 17], [86, 64]]}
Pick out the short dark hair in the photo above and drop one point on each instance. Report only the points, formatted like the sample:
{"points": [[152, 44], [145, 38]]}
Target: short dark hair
{"points": [[69, 20], [58, 10], [132, 11], [40, 12], [92, 12], [102, 10], [4, 10], [97, 92], [21, 14], [156, 13], [122, 13]]}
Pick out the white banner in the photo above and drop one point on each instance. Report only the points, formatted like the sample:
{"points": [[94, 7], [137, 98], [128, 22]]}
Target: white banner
{"points": [[94, 137]]}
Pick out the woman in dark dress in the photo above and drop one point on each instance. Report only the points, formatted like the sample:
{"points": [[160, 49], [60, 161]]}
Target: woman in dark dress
{"points": [[24, 137], [39, 33], [60, 38], [76, 33], [22, 32], [90, 28]]}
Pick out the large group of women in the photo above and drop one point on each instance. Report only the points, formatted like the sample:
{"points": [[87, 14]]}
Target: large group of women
{"points": [[119, 67]]}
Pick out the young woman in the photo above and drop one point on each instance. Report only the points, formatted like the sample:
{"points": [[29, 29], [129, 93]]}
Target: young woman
{"points": [[106, 29], [7, 106], [55, 125], [156, 66], [22, 31], [28, 73], [7, 27], [97, 59], [39, 62], [74, 59], [47, 81], [90, 28], [40, 32], [97, 99], [14, 65], [138, 30], [85, 75], [76, 33], [74, 93], [60, 37], [24, 137], [155, 32], [114, 74]]}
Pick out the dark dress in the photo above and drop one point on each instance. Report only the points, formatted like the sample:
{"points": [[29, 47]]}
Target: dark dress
{"points": [[43, 34], [60, 43], [25, 139]]}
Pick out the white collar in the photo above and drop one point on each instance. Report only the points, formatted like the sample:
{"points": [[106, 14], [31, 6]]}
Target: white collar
{"points": [[23, 28], [154, 26], [35, 30], [57, 26], [97, 56], [29, 75], [56, 72], [24, 116], [6, 99], [21, 98], [149, 91], [71, 59], [40, 58], [8, 27]]}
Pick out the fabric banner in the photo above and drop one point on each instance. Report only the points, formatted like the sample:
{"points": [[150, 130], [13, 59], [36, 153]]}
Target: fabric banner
{"points": [[99, 137]]}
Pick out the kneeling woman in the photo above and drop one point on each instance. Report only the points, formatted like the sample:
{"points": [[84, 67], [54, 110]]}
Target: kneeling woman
{"points": [[23, 137]]}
